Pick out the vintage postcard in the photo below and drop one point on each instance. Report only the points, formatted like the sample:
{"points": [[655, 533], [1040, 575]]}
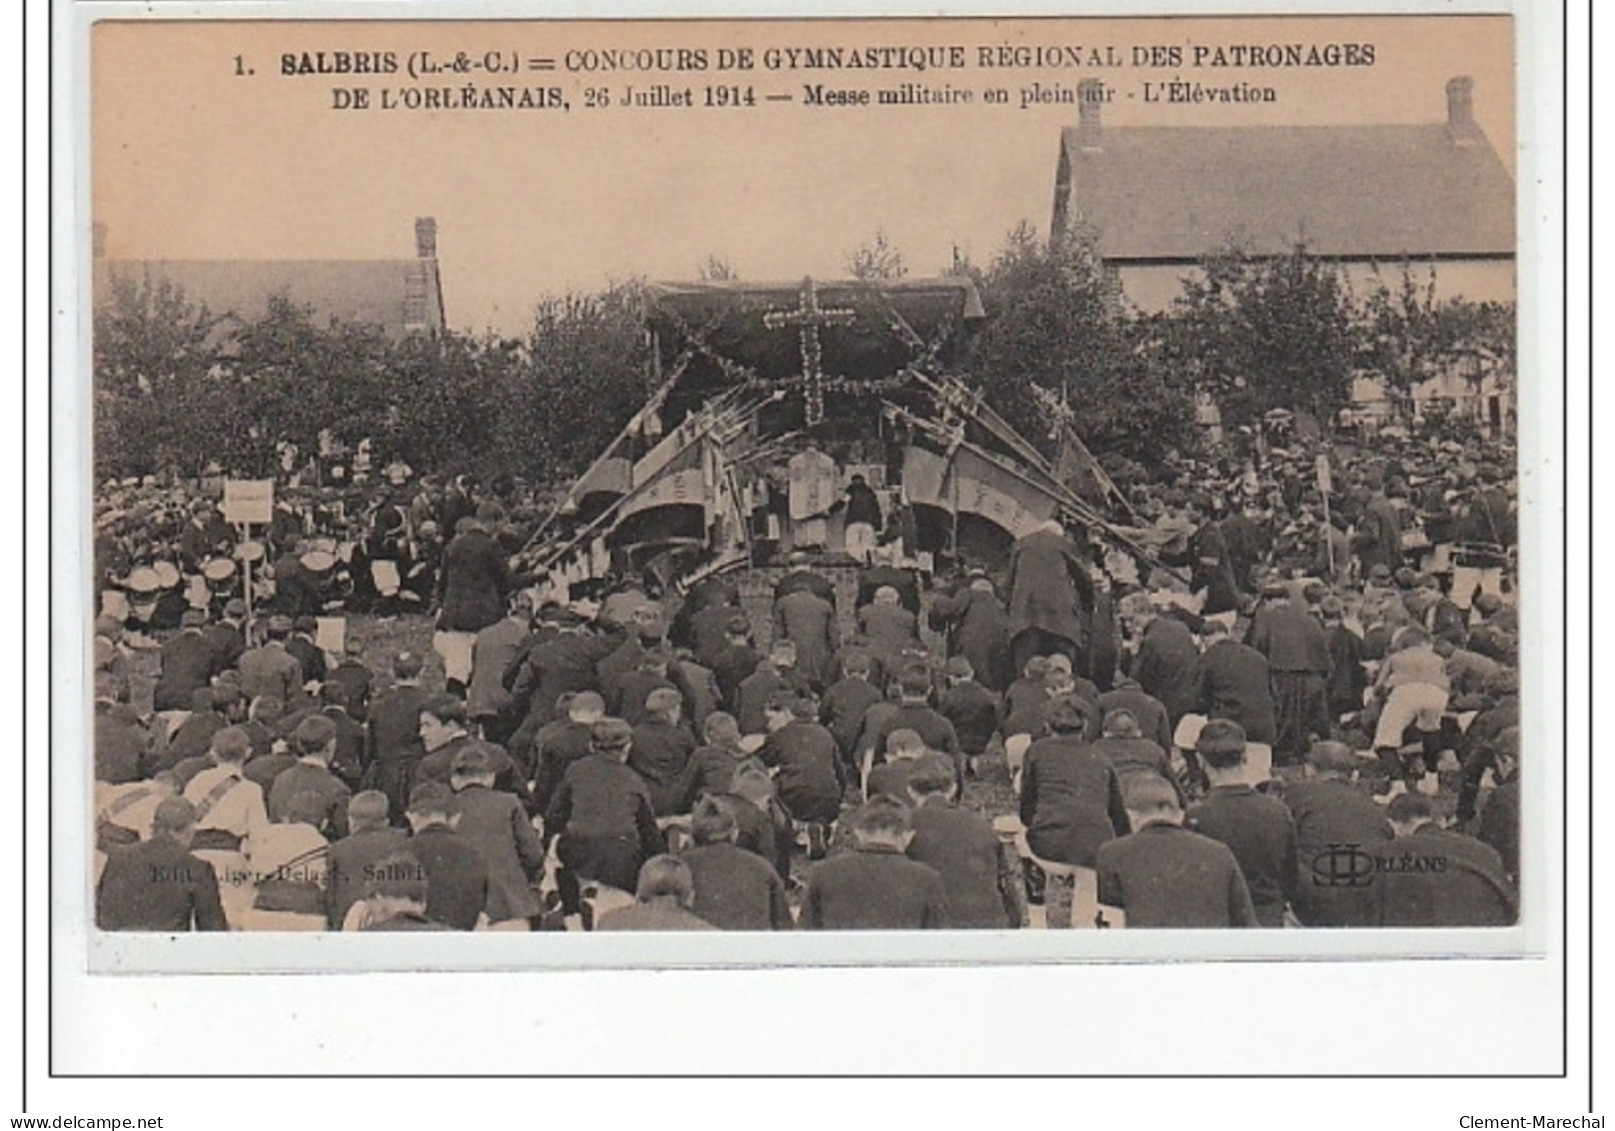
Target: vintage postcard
{"points": [[1035, 489]]}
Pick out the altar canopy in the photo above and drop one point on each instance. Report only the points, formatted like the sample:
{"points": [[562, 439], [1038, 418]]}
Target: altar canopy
{"points": [[769, 398]]}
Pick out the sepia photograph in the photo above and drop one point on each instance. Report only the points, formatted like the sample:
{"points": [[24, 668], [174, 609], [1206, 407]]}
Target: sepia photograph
{"points": [[998, 477]]}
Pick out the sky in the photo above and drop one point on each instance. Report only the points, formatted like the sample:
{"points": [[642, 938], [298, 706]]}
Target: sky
{"points": [[197, 154]]}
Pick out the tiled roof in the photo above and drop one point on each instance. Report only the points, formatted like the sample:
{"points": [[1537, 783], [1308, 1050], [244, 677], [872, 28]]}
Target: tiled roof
{"points": [[1173, 194], [395, 294]]}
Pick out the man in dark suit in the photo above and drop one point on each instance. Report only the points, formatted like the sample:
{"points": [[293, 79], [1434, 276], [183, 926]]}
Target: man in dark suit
{"points": [[225, 635], [457, 890], [806, 764], [1500, 820], [1166, 663], [563, 741], [566, 662], [303, 649], [352, 680], [735, 890], [631, 690], [489, 703], [270, 669], [1124, 746], [443, 735], [1071, 800], [1332, 812], [808, 621], [847, 701], [883, 573], [297, 589], [397, 895], [188, 663], [1379, 533], [394, 728], [1050, 594], [875, 887], [977, 882], [1232, 682], [734, 661], [713, 765], [661, 751], [497, 826], [1431, 877], [890, 628], [1258, 829], [801, 577], [472, 586], [601, 814], [970, 708], [212, 709], [913, 712], [663, 895], [1164, 875], [310, 786], [978, 630], [774, 677], [369, 840], [158, 884], [122, 744], [708, 628], [1298, 657]]}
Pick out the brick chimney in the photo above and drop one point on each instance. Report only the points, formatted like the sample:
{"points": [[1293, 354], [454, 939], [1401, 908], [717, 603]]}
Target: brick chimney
{"points": [[1461, 109], [425, 237], [1090, 101]]}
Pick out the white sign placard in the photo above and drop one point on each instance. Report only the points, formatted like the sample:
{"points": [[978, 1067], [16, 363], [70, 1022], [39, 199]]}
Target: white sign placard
{"points": [[248, 500]]}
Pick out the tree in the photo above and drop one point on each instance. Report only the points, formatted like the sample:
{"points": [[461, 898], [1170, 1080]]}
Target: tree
{"points": [[877, 260], [151, 355], [717, 270], [1260, 333], [583, 377], [1054, 322], [1411, 336]]}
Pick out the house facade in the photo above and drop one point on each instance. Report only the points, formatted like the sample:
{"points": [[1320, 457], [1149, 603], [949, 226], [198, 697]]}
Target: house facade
{"points": [[1433, 196]]}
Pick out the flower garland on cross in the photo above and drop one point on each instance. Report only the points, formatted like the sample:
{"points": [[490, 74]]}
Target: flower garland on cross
{"points": [[806, 319]]}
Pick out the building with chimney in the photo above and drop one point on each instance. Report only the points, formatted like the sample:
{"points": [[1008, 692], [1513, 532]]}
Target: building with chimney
{"points": [[402, 296], [1155, 200]]}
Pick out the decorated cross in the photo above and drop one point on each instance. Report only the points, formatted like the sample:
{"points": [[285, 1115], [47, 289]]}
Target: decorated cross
{"points": [[807, 318]]}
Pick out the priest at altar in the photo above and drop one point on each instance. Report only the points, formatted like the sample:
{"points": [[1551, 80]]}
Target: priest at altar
{"points": [[814, 488]]}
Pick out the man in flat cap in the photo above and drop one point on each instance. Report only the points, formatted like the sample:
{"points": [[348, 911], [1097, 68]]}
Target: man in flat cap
{"points": [[1258, 829]]}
